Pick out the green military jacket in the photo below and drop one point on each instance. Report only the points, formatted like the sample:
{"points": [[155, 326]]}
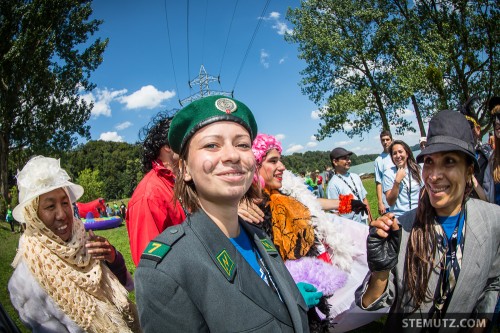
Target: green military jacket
{"points": [[192, 279]]}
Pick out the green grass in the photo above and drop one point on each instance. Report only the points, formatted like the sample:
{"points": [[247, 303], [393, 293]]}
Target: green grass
{"points": [[369, 185], [119, 238]]}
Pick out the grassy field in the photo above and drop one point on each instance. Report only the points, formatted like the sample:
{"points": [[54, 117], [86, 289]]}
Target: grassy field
{"points": [[119, 238]]}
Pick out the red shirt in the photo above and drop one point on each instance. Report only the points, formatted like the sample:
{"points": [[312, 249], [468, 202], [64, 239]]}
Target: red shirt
{"points": [[151, 209]]}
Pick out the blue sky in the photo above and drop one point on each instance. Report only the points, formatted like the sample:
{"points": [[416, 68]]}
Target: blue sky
{"points": [[138, 76]]}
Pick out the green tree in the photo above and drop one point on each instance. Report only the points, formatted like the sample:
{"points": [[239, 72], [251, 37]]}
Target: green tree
{"points": [[347, 71], [464, 55], [46, 60], [368, 60], [91, 183]]}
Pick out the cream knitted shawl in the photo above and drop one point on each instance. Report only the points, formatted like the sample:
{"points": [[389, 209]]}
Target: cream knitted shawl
{"points": [[84, 288]]}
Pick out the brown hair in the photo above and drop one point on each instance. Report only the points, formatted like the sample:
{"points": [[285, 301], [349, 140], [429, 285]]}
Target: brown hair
{"points": [[422, 245], [410, 161], [186, 192], [386, 133]]}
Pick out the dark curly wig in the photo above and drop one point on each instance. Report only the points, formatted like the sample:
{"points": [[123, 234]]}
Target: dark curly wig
{"points": [[154, 136]]}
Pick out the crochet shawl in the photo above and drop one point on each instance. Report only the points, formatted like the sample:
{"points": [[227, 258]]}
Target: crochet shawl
{"points": [[83, 288]]}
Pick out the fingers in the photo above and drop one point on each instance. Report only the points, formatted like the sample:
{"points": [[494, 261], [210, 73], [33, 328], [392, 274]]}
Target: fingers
{"points": [[250, 212], [384, 224], [99, 247]]}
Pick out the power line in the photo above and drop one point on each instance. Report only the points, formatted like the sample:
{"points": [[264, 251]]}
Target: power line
{"points": [[227, 38], [170, 47], [187, 36], [251, 42]]}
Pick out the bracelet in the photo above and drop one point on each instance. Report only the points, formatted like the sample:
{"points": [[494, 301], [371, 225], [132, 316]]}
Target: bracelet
{"points": [[345, 203]]}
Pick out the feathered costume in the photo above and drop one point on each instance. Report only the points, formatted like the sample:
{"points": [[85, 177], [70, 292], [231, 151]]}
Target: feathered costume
{"points": [[319, 248]]}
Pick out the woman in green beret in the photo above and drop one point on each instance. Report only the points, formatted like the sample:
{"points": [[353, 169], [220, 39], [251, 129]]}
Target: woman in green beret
{"points": [[216, 272]]}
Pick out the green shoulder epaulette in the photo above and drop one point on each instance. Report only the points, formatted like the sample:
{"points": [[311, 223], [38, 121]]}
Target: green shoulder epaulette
{"points": [[158, 248]]}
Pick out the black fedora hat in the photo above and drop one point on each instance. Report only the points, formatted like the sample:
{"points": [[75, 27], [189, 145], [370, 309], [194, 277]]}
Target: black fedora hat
{"points": [[449, 131]]}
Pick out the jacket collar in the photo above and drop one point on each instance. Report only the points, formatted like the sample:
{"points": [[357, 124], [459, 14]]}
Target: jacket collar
{"points": [[234, 267]]}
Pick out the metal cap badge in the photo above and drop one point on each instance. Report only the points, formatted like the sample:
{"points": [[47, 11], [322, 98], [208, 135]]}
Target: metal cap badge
{"points": [[226, 105]]}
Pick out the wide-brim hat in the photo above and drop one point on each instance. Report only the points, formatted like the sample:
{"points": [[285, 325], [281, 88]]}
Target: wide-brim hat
{"points": [[205, 111], [449, 131], [39, 176]]}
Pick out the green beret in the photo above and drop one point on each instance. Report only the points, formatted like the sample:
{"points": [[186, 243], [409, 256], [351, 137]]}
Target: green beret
{"points": [[205, 111]]}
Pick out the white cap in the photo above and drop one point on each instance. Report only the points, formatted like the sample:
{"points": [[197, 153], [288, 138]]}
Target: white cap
{"points": [[42, 175], [422, 139]]}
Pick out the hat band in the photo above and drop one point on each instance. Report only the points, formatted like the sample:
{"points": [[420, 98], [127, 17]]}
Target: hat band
{"points": [[450, 140]]}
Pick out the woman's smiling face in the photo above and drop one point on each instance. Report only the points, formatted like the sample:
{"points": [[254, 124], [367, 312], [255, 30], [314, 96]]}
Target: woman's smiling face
{"points": [[220, 162], [445, 176], [54, 209], [399, 155], [271, 170]]}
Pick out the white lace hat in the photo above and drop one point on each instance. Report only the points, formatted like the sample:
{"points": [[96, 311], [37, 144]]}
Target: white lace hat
{"points": [[41, 175]]}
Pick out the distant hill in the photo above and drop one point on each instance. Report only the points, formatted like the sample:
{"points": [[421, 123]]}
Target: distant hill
{"points": [[318, 160]]}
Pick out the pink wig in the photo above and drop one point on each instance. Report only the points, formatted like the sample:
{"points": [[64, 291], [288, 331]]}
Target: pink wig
{"points": [[262, 144]]}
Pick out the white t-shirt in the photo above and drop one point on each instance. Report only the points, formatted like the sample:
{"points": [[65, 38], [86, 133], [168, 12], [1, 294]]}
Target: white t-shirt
{"points": [[409, 190], [345, 184]]}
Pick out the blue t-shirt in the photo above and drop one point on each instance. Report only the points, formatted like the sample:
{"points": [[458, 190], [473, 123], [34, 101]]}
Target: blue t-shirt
{"points": [[449, 223], [245, 247]]}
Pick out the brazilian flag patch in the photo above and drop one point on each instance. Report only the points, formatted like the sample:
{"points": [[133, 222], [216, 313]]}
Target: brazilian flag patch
{"points": [[268, 245], [155, 251], [226, 262]]}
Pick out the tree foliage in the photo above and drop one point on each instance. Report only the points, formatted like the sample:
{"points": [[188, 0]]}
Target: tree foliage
{"points": [[93, 186], [368, 60], [46, 60], [318, 160], [118, 164]]}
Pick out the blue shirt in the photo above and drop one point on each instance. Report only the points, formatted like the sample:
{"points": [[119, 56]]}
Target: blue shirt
{"points": [[449, 223], [345, 184], [402, 204], [382, 163], [245, 247]]}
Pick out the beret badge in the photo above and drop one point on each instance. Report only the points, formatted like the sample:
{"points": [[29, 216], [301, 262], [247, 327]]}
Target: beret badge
{"points": [[226, 105]]}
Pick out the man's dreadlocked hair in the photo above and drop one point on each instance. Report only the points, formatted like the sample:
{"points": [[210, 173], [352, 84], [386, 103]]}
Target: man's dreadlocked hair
{"points": [[154, 136]]}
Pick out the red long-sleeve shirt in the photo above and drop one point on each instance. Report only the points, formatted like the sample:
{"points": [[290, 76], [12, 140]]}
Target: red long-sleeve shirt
{"points": [[151, 209]]}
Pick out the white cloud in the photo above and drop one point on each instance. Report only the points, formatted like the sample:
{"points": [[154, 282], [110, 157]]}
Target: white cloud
{"points": [[315, 115], [311, 144], [274, 15], [312, 138], [280, 26], [294, 148], [347, 127], [110, 136], [343, 143], [123, 125], [147, 97], [102, 99], [407, 113], [361, 149], [280, 137], [264, 58], [282, 60]]}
